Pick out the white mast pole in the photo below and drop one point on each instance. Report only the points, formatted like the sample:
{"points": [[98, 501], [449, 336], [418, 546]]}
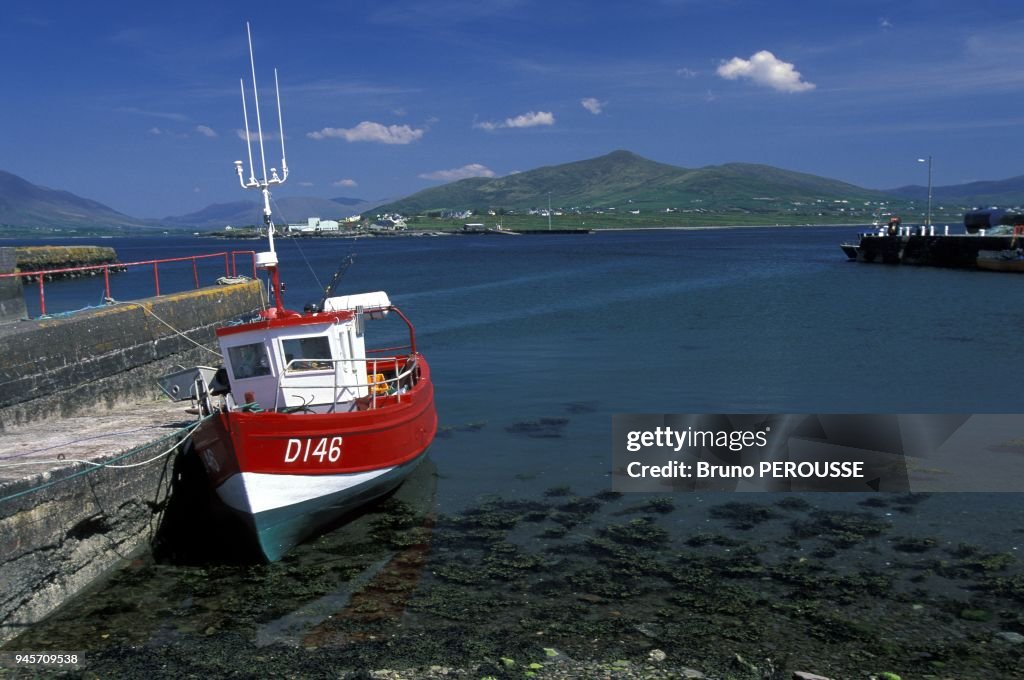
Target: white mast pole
{"points": [[256, 95], [266, 260], [264, 184]]}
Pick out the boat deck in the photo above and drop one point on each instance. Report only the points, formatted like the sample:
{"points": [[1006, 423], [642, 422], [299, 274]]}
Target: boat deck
{"points": [[36, 450]]}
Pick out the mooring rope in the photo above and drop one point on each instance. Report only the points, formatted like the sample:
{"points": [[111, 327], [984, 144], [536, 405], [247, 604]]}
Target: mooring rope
{"points": [[184, 432], [299, 248], [154, 315]]}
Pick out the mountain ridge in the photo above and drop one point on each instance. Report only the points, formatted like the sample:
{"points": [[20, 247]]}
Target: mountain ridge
{"points": [[248, 212], [623, 178], [27, 205], [1010, 190], [620, 179]]}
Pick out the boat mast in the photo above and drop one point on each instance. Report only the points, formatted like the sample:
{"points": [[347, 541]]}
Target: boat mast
{"points": [[266, 260]]}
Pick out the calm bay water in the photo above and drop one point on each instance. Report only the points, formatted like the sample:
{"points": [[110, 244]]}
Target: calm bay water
{"points": [[535, 341]]}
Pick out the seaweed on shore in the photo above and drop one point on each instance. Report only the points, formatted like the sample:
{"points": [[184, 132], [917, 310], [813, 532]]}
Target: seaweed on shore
{"points": [[543, 428], [510, 587]]}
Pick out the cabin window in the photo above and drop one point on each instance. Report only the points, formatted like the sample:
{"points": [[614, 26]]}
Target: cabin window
{"points": [[307, 354], [249, 361]]}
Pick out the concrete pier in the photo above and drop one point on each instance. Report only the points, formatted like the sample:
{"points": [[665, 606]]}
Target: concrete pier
{"points": [[87, 442], [103, 358], [940, 250], [65, 519], [38, 258]]}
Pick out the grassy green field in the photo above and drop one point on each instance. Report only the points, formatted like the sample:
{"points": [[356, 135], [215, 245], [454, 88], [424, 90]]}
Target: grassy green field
{"points": [[664, 220]]}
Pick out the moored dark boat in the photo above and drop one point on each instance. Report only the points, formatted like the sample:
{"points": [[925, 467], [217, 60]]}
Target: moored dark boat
{"points": [[1008, 260], [988, 238]]}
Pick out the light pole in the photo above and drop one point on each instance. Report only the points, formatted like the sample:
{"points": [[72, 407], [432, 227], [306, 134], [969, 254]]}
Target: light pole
{"points": [[928, 160]]}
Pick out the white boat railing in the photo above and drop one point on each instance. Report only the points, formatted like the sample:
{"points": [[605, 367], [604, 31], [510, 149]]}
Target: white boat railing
{"points": [[378, 383]]}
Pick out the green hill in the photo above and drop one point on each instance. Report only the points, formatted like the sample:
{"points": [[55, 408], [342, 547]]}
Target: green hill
{"points": [[626, 181]]}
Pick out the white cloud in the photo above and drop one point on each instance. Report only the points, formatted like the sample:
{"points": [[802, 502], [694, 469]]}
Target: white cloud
{"points": [[162, 132], [158, 131], [255, 137], [686, 72], [885, 23], [531, 119], [764, 68], [179, 117], [206, 131], [593, 105], [345, 183], [368, 131], [306, 184], [471, 170], [524, 120]]}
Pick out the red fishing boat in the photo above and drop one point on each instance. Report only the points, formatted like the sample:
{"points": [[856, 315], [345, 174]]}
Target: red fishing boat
{"points": [[306, 421]]}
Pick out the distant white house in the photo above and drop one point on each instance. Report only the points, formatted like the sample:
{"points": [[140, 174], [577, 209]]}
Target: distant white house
{"points": [[390, 222], [314, 225]]}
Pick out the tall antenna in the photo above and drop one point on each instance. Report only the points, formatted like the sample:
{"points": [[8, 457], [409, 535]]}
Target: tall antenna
{"points": [[256, 96], [267, 260], [252, 182], [248, 142], [280, 129]]}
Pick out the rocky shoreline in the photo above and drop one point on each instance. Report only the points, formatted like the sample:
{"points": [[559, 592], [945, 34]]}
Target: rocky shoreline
{"points": [[578, 586]]}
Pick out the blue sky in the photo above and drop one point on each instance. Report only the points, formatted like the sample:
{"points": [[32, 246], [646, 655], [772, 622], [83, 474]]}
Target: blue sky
{"points": [[137, 105]]}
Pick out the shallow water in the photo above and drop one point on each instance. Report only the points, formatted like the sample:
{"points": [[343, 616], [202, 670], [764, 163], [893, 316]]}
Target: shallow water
{"points": [[534, 342]]}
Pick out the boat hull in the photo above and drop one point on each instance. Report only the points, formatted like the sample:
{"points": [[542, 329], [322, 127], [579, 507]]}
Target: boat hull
{"points": [[289, 475], [278, 529], [1009, 260]]}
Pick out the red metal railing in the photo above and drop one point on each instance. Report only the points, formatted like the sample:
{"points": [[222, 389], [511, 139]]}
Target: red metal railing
{"points": [[230, 269]]}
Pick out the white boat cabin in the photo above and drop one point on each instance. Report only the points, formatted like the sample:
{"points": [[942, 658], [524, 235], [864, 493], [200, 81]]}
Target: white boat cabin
{"points": [[309, 363]]}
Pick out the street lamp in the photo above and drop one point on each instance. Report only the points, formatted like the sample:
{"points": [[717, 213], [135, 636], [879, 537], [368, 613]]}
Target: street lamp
{"points": [[928, 160]]}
